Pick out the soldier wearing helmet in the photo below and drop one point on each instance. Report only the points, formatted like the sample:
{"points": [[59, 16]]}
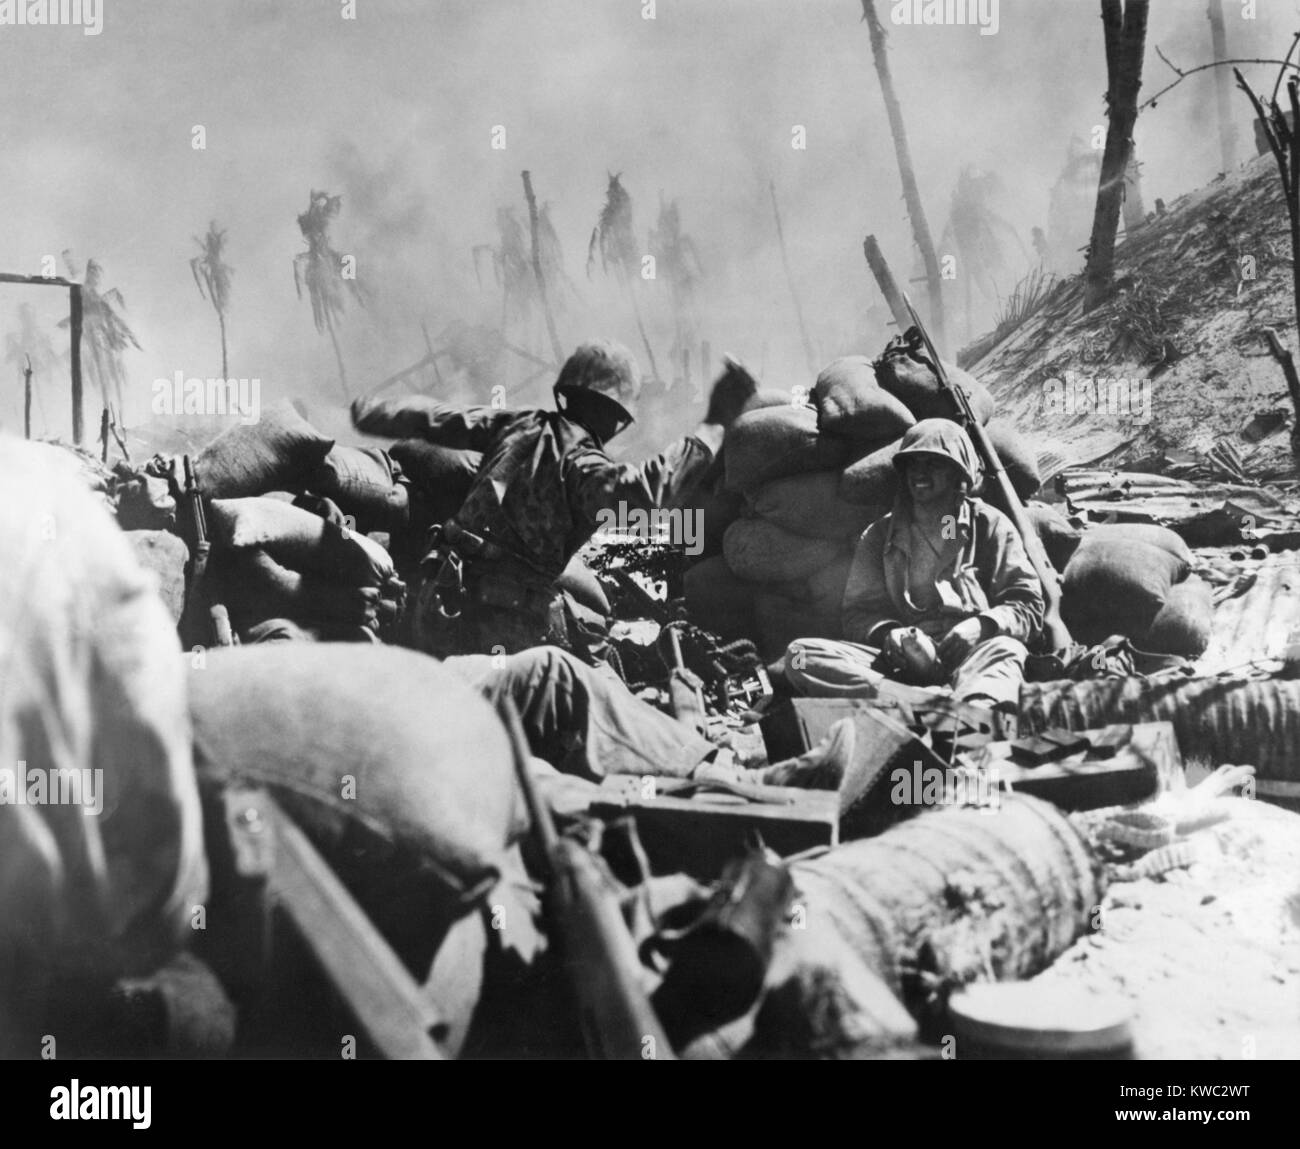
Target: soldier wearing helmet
{"points": [[545, 479], [941, 591]]}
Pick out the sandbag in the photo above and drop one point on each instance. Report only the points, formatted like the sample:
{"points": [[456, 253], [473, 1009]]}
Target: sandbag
{"points": [[778, 441], [1184, 623], [826, 586], [1168, 541], [364, 482], [1018, 458], [718, 601], [761, 552], [578, 580], [782, 620], [873, 480], [767, 397], [378, 753], [299, 540], [165, 555], [437, 469], [254, 587], [810, 505], [280, 450], [1117, 585], [852, 405], [904, 374], [1060, 540], [718, 511]]}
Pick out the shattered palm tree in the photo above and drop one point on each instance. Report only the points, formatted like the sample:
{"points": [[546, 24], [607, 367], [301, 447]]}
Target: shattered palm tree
{"points": [[615, 240], [678, 261], [105, 332], [212, 277], [979, 234], [30, 350], [511, 269], [320, 268]]}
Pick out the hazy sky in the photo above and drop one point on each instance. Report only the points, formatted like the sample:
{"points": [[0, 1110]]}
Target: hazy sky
{"points": [[395, 110]]}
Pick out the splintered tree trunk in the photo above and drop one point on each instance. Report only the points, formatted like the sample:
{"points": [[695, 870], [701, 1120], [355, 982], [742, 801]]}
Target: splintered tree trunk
{"points": [[809, 358], [911, 194], [556, 349], [1125, 26], [1219, 45], [338, 357], [886, 282], [1135, 212], [225, 367]]}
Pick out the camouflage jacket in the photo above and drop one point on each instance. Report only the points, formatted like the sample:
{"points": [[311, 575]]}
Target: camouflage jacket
{"points": [[544, 479]]}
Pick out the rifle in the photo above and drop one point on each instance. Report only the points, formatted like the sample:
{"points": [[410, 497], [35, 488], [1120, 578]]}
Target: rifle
{"points": [[198, 593], [600, 958], [1054, 630]]}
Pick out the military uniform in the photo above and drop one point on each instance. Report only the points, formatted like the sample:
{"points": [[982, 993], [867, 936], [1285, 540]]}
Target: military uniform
{"points": [[544, 481]]}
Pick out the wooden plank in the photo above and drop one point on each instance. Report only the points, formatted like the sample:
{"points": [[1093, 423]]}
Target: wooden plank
{"points": [[379, 992]]}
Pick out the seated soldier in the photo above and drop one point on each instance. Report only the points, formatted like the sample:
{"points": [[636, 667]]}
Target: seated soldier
{"points": [[940, 592]]}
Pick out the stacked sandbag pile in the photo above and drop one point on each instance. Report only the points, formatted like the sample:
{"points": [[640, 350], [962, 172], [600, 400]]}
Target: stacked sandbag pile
{"points": [[273, 560], [803, 482], [1134, 579]]}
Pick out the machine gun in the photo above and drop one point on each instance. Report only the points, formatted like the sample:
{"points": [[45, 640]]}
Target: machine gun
{"points": [[1054, 630]]}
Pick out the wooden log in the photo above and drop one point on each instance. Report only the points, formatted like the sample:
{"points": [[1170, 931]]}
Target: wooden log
{"points": [[885, 280], [74, 325]]}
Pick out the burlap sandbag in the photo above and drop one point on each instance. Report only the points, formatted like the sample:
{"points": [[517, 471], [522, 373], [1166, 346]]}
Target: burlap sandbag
{"points": [[254, 587], [581, 582], [826, 586], [1117, 584], [1018, 458], [1168, 541], [299, 540], [903, 373], [281, 450], [718, 510], [761, 552], [767, 397], [380, 753], [1184, 623], [778, 441], [781, 621], [164, 555], [364, 482], [810, 505], [1060, 540], [872, 481], [852, 405], [719, 601]]}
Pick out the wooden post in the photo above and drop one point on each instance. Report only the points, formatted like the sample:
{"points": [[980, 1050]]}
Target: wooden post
{"points": [[556, 348], [74, 327], [103, 436], [911, 193], [1219, 44], [789, 278], [886, 282], [27, 399]]}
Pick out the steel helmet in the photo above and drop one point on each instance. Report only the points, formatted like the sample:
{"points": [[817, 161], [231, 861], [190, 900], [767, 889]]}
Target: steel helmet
{"points": [[942, 438]]}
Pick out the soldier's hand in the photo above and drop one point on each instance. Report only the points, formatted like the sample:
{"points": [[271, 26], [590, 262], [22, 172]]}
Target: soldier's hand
{"points": [[733, 388]]}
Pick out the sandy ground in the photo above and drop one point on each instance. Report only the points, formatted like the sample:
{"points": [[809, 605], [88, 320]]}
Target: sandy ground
{"points": [[1209, 956]]}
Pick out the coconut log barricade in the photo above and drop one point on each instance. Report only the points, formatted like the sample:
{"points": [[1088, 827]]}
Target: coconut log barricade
{"points": [[883, 927], [1226, 719], [957, 895]]}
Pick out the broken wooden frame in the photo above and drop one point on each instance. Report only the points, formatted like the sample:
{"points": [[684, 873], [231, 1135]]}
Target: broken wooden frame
{"points": [[74, 324]]}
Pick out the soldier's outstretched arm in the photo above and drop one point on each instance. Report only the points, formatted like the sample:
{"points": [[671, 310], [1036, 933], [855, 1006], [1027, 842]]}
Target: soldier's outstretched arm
{"points": [[419, 417]]}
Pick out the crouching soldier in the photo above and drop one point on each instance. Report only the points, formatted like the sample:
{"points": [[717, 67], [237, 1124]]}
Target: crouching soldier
{"points": [[489, 579], [940, 592]]}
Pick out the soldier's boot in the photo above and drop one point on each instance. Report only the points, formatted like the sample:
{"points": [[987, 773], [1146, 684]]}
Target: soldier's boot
{"points": [[824, 767]]}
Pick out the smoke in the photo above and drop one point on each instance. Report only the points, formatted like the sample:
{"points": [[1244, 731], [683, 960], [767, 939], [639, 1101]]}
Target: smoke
{"points": [[397, 112]]}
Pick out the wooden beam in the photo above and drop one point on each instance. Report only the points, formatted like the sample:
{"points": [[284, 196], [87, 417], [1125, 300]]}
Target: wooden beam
{"points": [[74, 336]]}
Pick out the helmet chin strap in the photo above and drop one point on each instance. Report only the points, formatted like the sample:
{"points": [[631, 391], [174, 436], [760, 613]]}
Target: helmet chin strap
{"points": [[588, 407]]}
